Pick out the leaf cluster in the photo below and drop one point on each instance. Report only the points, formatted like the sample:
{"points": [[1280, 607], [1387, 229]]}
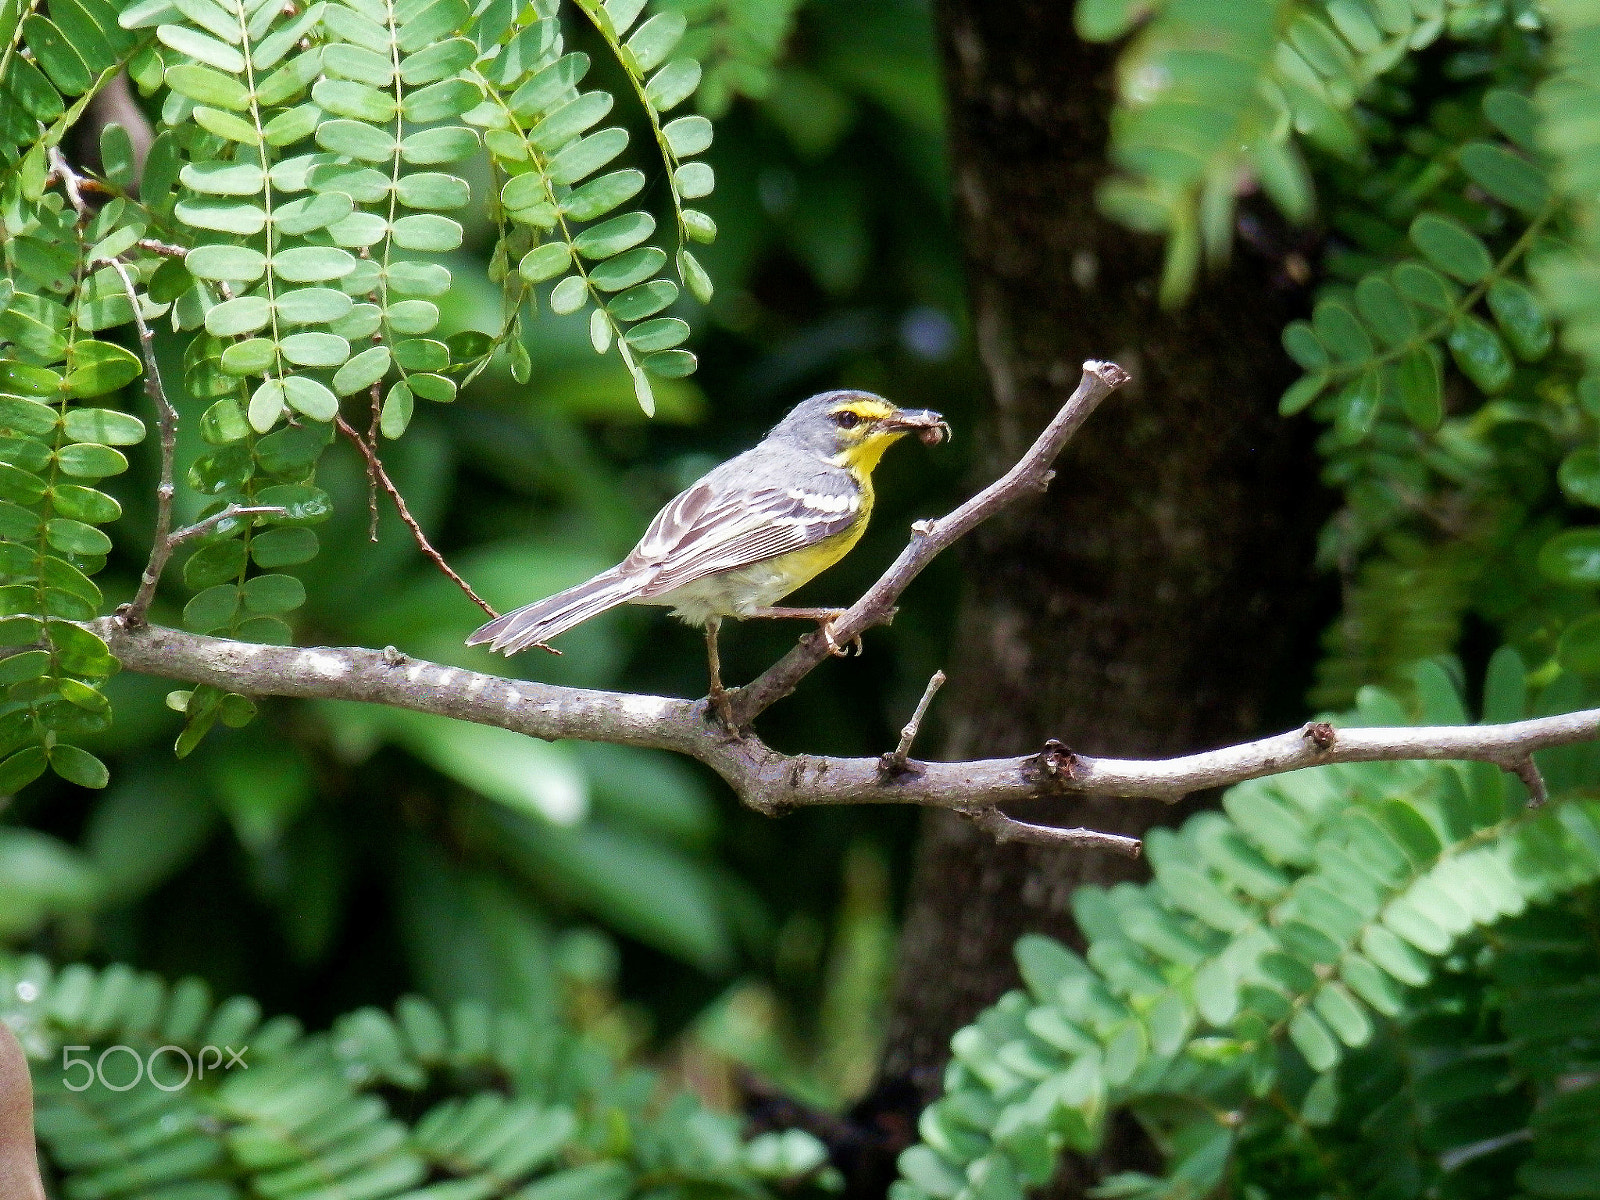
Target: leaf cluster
{"points": [[1354, 980], [419, 1103]]}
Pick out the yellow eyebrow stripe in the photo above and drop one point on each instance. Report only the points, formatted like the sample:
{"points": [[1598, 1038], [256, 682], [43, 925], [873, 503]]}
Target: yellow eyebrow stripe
{"points": [[867, 410]]}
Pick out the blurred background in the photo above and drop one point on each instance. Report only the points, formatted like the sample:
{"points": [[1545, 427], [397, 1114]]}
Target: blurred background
{"points": [[329, 856]]}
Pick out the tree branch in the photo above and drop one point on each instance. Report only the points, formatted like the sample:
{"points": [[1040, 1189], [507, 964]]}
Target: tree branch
{"points": [[376, 472], [774, 783], [929, 539]]}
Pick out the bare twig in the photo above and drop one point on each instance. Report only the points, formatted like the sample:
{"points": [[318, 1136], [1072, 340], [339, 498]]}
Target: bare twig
{"points": [[1008, 829], [1527, 770], [895, 761], [133, 614], [70, 182], [372, 464], [207, 524], [929, 539], [375, 466], [772, 782], [165, 249]]}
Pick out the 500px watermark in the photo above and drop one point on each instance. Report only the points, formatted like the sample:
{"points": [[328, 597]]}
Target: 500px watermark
{"points": [[194, 1066]]}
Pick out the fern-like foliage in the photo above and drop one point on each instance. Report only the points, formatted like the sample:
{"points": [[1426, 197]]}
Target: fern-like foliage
{"points": [[1362, 980], [286, 224], [417, 1103], [1217, 99]]}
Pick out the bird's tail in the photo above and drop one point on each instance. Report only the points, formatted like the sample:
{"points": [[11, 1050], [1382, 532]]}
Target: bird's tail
{"points": [[536, 623]]}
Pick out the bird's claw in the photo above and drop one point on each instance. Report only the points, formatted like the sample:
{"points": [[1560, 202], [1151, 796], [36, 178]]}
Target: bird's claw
{"points": [[722, 704], [833, 644]]}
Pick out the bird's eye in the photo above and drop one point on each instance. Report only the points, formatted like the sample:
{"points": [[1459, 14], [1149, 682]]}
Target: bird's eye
{"points": [[846, 419]]}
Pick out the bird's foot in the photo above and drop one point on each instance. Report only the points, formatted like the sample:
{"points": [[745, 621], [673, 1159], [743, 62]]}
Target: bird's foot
{"points": [[720, 700], [826, 629]]}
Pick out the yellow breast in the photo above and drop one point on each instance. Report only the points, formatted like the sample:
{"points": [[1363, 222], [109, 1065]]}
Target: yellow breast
{"points": [[802, 566]]}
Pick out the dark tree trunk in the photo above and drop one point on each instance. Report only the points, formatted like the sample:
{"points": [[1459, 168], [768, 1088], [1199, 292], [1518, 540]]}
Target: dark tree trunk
{"points": [[1160, 598]]}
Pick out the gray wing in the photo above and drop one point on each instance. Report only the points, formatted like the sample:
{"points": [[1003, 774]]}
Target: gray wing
{"points": [[717, 525]]}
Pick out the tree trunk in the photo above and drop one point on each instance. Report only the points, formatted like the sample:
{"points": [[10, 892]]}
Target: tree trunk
{"points": [[1160, 598]]}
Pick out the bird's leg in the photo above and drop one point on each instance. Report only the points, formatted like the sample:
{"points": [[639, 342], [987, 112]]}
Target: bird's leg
{"points": [[718, 695], [824, 617]]}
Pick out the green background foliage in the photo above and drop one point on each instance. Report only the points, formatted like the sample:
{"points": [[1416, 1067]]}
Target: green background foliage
{"points": [[515, 214]]}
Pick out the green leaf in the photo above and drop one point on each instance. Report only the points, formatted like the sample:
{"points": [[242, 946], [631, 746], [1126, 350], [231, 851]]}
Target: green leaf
{"points": [[397, 409], [104, 425], [233, 128], [1514, 115], [250, 357], [694, 180], [438, 61], [694, 276], [243, 314], [30, 664], [1341, 332], [224, 178], [235, 264], [362, 370], [569, 120], [302, 503], [413, 316], [421, 354], [21, 769], [687, 135], [545, 262], [1572, 557], [205, 86], [699, 226], [1417, 380], [431, 189], [212, 609], [1480, 354], [315, 349], [657, 38], [312, 264], [549, 85], [600, 196], [1425, 286], [1521, 318], [1311, 1037], [569, 295], [243, 219], [1510, 179], [1452, 247], [78, 766], [94, 368], [1579, 476], [357, 101], [429, 147], [587, 155], [75, 537], [54, 52], [283, 547], [670, 364], [614, 236], [660, 334], [643, 301], [316, 306], [1579, 648], [1384, 311], [116, 155], [673, 84], [266, 405], [270, 594], [88, 460], [311, 398], [1301, 393], [215, 564], [427, 231]]}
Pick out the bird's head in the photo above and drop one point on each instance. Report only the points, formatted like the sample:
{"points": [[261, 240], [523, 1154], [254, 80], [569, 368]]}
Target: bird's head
{"points": [[853, 429]]}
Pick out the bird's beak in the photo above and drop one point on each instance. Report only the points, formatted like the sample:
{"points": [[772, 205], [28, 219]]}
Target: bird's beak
{"points": [[924, 422]]}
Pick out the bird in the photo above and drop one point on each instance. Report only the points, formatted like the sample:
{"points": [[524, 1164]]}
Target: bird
{"points": [[747, 533]]}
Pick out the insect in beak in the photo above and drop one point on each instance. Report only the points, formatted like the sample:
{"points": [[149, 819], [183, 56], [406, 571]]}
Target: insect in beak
{"points": [[928, 425]]}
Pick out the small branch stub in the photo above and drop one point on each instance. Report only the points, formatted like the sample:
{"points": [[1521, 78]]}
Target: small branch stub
{"points": [[896, 761]]}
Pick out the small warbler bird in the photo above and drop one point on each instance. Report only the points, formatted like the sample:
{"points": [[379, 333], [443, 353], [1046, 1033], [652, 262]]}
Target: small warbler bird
{"points": [[748, 533]]}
